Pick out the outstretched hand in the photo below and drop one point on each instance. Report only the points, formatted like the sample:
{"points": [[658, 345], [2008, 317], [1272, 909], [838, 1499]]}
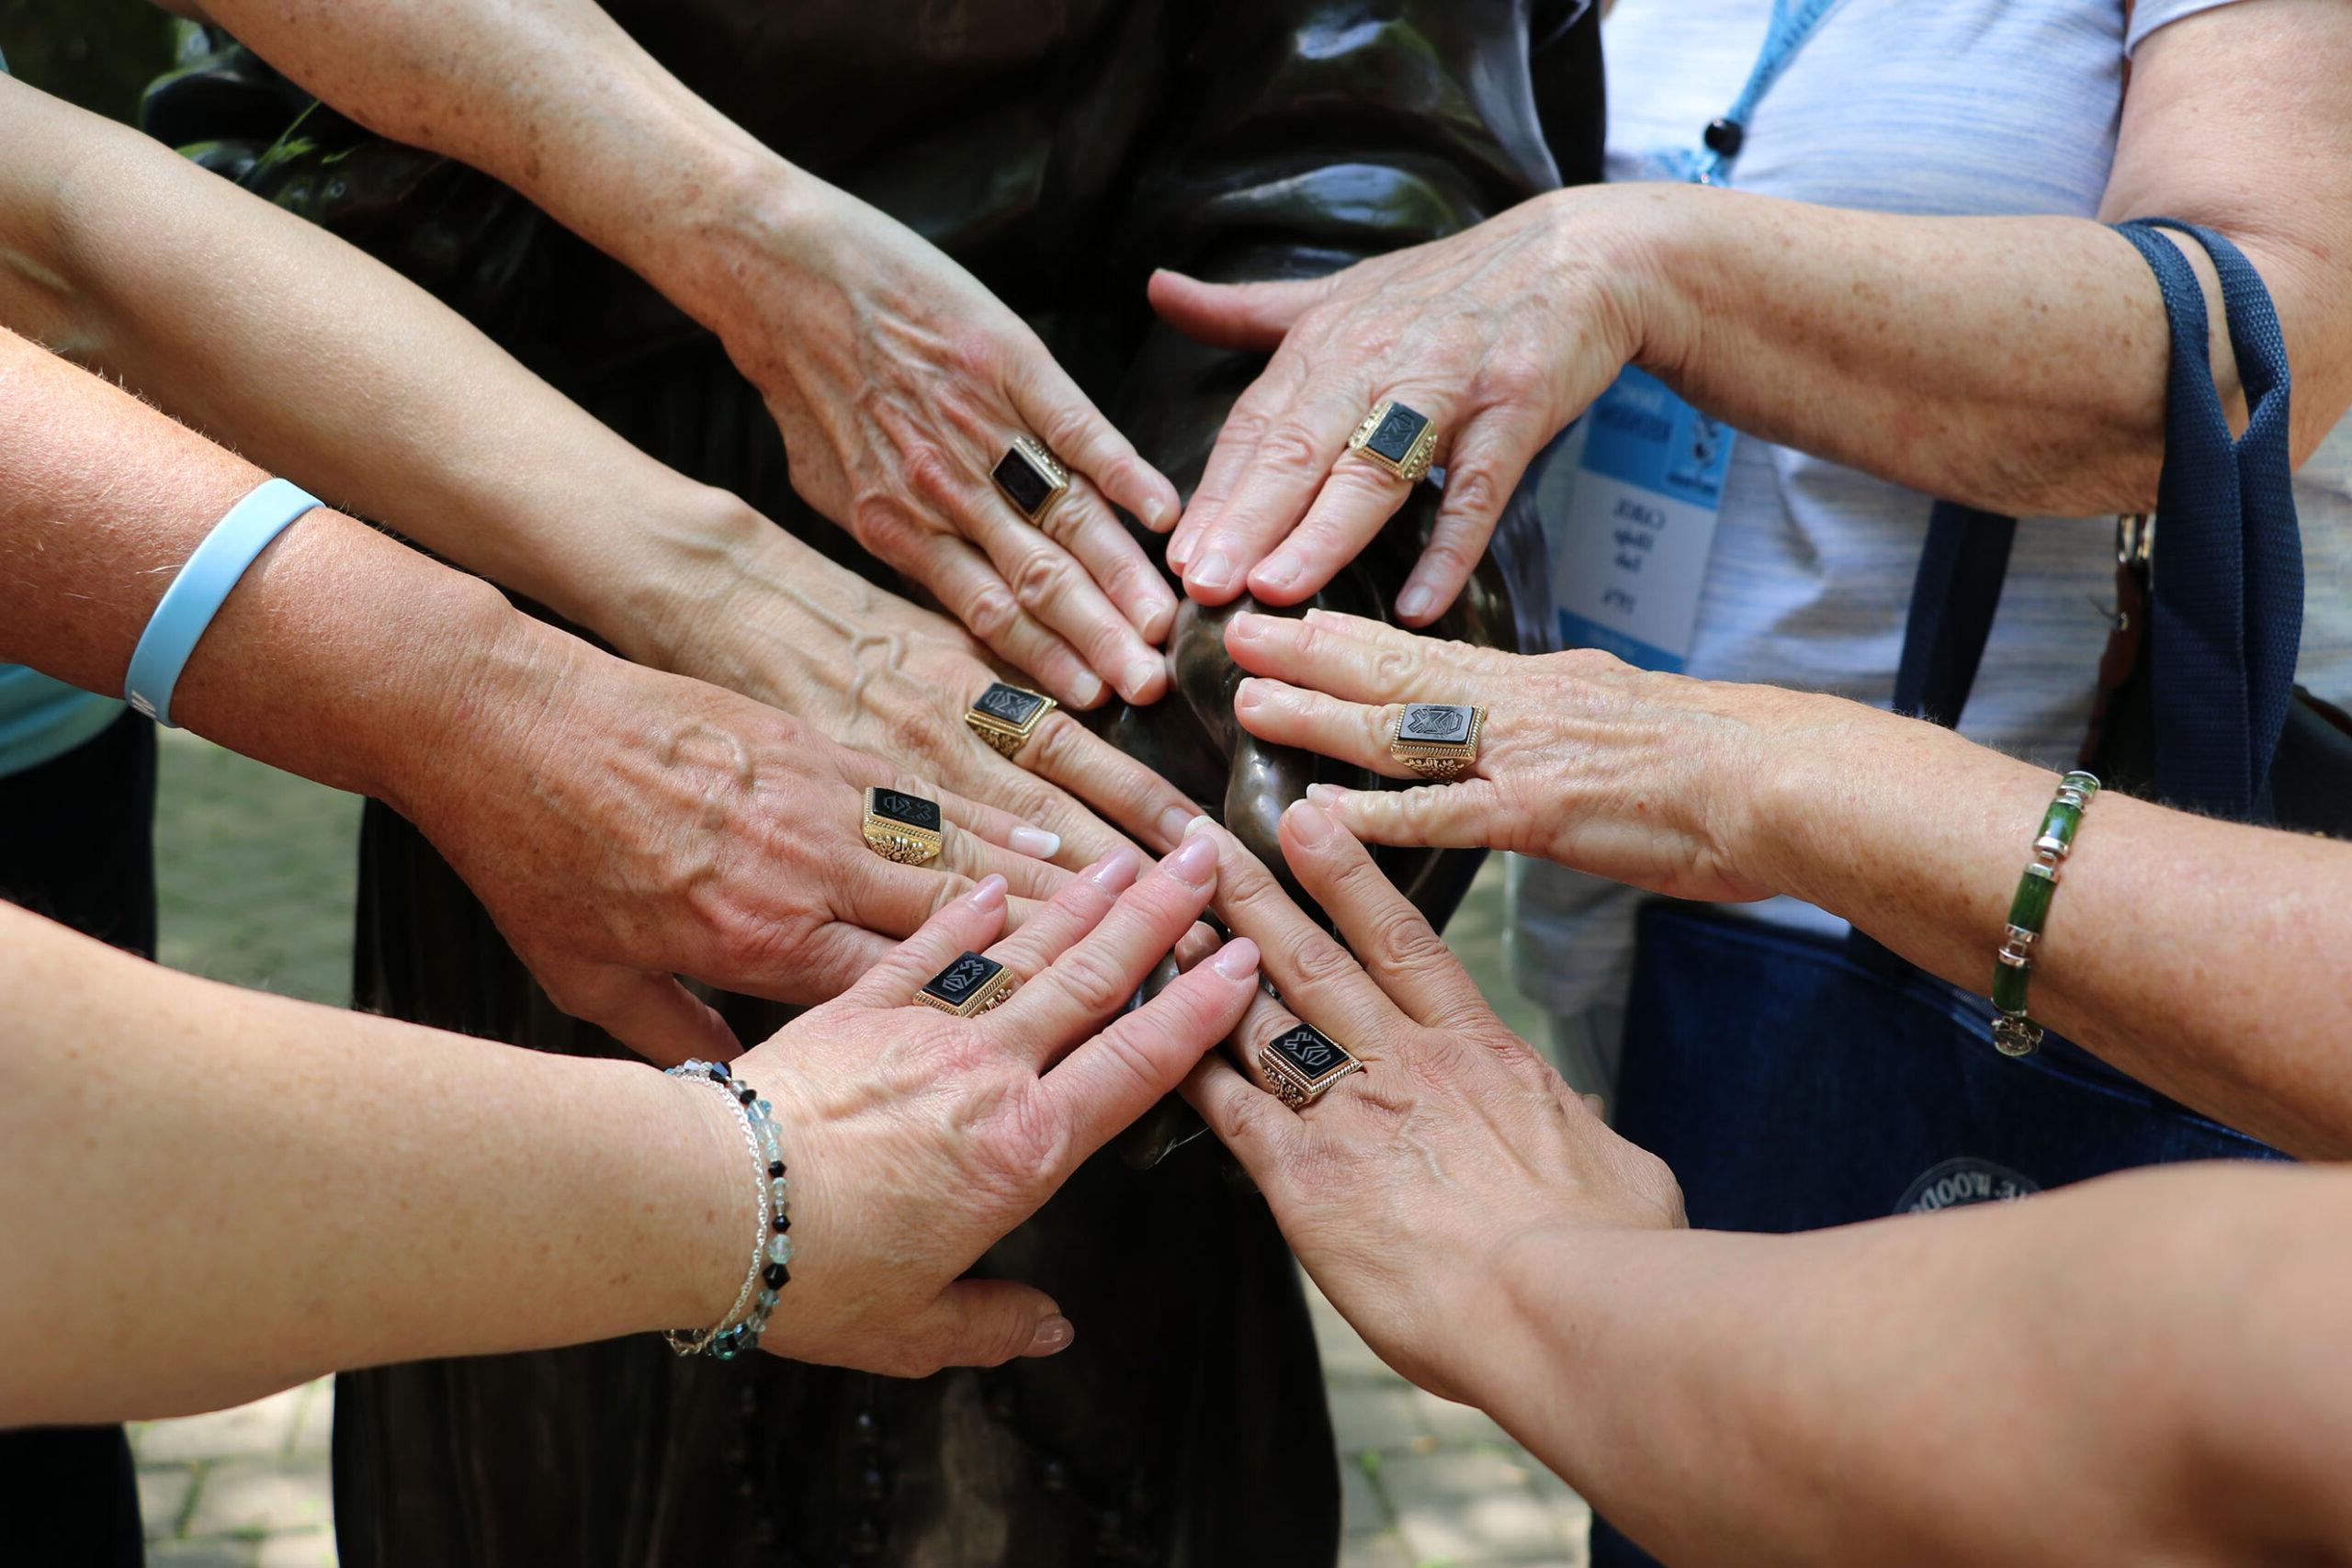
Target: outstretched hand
{"points": [[915, 1139]]}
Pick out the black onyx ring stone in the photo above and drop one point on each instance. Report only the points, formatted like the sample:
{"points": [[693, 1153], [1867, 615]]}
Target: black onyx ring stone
{"points": [[1005, 717], [1397, 439], [1031, 478], [1437, 740], [1302, 1062], [971, 984], [903, 827]]}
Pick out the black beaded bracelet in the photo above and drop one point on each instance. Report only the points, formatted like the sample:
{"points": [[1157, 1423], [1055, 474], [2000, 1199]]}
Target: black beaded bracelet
{"points": [[772, 1250], [2015, 1034]]}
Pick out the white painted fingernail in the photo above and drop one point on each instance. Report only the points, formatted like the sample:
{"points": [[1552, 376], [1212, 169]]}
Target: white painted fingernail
{"points": [[1036, 842]]}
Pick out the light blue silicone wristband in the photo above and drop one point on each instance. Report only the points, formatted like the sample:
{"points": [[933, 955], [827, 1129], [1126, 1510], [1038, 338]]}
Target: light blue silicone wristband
{"points": [[196, 594]]}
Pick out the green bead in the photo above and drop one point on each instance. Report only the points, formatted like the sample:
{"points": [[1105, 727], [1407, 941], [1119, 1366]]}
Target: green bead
{"points": [[2008, 987], [2086, 782], [2031, 906], [2059, 823]]}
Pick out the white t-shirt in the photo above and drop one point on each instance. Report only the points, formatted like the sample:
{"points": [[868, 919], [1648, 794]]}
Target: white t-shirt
{"points": [[1991, 106]]}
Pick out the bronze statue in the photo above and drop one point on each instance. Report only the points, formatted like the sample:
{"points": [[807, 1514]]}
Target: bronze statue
{"points": [[1084, 142]]}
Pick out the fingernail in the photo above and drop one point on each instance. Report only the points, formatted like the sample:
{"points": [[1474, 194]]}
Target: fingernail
{"points": [[1192, 862], [1307, 822], [1138, 678], [1160, 515], [1279, 573], [989, 894], [1325, 796], [1036, 842], [1216, 573], [1052, 1335], [1115, 869], [1246, 694], [1237, 960], [1415, 601], [1195, 825], [1247, 627], [1085, 690], [1159, 619], [1176, 822]]}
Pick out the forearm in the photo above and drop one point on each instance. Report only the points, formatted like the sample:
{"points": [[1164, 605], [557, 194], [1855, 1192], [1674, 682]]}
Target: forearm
{"points": [[2140, 1368], [2201, 957], [211, 1193], [297, 350], [2016, 364], [556, 100]]}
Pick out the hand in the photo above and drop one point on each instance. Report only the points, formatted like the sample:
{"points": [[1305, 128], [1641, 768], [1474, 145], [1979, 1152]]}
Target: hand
{"points": [[624, 827], [792, 629], [1406, 1186], [1655, 780], [897, 382], [1500, 334], [915, 1139]]}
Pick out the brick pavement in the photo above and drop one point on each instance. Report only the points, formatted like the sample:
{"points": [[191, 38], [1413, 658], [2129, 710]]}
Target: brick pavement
{"points": [[256, 871]]}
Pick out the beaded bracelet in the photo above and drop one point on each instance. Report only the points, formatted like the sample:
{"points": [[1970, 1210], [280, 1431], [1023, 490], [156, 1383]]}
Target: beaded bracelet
{"points": [[2014, 1034], [771, 1243]]}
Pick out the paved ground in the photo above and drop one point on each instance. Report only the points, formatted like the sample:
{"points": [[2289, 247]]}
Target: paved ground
{"points": [[257, 871]]}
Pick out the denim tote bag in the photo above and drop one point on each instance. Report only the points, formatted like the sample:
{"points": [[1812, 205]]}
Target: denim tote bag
{"points": [[1793, 1080]]}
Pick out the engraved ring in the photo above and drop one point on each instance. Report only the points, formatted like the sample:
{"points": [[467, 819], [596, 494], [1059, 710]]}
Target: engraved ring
{"points": [[1005, 717], [1438, 741], [903, 827], [1302, 1062], [1399, 439], [973, 984], [1031, 477]]}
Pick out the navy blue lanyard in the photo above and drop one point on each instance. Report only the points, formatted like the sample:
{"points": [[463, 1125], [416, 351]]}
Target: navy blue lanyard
{"points": [[1793, 21]]}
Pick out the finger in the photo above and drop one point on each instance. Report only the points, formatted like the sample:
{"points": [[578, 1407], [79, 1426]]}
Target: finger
{"points": [[1234, 315], [1394, 940], [1070, 914], [1228, 460], [1106, 1083], [1322, 655], [1315, 973], [1052, 587], [1482, 468], [1452, 816], [1084, 524], [961, 925], [1289, 468], [1353, 505], [968, 585], [979, 842], [1291, 716], [650, 1012], [1259, 1130], [1065, 753], [1068, 1001], [1066, 419], [982, 1323]]}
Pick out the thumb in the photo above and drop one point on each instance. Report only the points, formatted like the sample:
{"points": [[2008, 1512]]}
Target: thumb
{"points": [[986, 1323], [1233, 315], [652, 1014]]}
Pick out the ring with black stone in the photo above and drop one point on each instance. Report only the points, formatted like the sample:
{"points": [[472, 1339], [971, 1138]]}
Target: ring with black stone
{"points": [[973, 984], [1397, 438], [1438, 741], [1303, 1061], [1005, 717], [1031, 477], [903, 827]]}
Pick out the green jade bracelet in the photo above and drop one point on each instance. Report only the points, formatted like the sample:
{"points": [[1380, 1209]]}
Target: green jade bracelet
{"points": [[2014, 1034]]}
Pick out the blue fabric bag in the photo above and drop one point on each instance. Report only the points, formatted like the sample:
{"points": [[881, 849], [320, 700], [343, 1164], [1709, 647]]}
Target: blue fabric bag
{"points": [[1793, 1080]]}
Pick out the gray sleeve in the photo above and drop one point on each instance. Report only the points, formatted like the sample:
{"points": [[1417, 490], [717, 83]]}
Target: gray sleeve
{"points": [[2147, 15]]}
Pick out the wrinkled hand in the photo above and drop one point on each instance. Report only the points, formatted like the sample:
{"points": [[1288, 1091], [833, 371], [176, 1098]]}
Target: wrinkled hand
{"points": [[1500, 334], [1655, 780], [868, 669], [1403, 1187], [898, 381], [915, 1139], [626, 827]]}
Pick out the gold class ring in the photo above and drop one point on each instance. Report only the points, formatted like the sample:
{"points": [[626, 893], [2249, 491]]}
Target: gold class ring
{"points": [[1031, 477], [1397, 438], [973, 984], [1303, 1061], [1005, 717], [903, 827], [1437, 740]]}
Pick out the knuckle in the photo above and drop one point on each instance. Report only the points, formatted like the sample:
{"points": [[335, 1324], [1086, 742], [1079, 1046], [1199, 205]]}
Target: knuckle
{"points": [[918, 731], [992, 611], [976, 356], [882, 526], [1093, 981], [1396, 666], [1319, 961], [931, 474], [1402, 941], [1041, 578], [1471, 493], [1291, 447]]}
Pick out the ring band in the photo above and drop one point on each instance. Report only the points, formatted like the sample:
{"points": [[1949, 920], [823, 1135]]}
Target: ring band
{"points": [[1005, 717], [1302, 1062], [903, 827], [1397, 438], [1031, 477], [973, 984], [1438, 741]]}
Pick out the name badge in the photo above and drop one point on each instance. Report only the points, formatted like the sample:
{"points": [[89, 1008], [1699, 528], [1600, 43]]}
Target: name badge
{"points": [[1629, 506]]}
